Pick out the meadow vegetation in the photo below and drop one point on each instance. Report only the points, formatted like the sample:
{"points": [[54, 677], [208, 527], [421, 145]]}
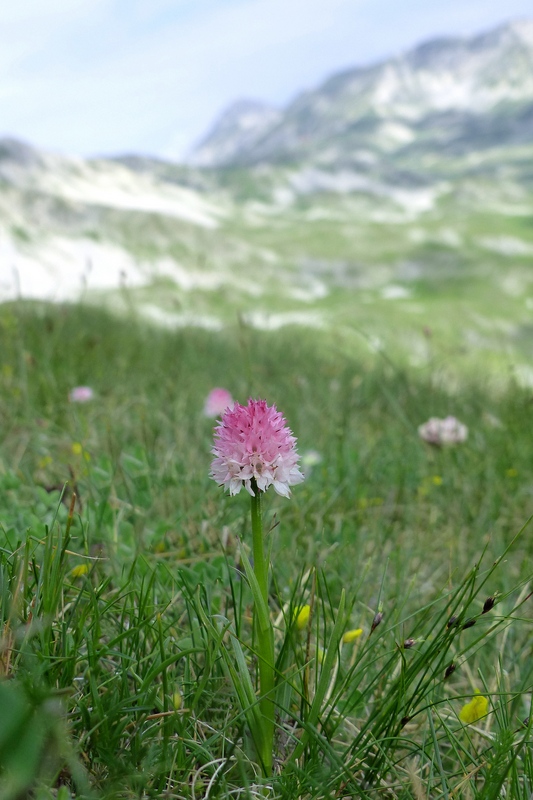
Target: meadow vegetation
{"points": [[126, 614]]}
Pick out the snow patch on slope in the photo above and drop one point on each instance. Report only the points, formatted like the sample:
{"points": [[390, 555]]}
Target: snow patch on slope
{"points": [[310, 180], [506, 245], [115, 186]]}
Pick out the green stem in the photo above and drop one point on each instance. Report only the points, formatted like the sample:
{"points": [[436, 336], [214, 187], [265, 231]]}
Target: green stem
{"points": [[265, 637]]}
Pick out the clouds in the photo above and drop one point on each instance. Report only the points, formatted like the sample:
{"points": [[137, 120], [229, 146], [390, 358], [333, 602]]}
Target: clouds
{"points": [[93, 76]]}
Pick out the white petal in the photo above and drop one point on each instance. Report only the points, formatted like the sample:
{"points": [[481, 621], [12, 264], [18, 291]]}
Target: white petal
{"points": [[295, 477], [262, 482], [282, 489], [235, 486]]}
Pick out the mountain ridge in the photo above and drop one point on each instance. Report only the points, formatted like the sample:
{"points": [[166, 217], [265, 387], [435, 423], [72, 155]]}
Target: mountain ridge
{"points": [[381, 104]]}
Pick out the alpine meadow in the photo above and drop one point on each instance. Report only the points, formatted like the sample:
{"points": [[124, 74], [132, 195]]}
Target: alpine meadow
{"points": [[266, 466]]}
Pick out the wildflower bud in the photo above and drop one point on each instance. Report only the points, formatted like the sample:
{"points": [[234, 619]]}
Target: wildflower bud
{"points": [[452, 621], [376, 621], [409, 643], [351, 636], [469, 623], [489, 604], [474, 710], [79, 571], [301, 616], [177, 700], [450, 669]]}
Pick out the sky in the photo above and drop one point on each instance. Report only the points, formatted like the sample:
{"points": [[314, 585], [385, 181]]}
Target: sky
{"points": [[107, 77]]}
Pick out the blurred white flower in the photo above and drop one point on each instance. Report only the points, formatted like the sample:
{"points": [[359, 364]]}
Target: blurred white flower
{"points": [[443, 431], [81, 394], [310, 458]]}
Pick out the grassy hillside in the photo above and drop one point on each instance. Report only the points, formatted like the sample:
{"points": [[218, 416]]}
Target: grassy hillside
{"points": [[441, 243], [115, 680], [427, 255]]}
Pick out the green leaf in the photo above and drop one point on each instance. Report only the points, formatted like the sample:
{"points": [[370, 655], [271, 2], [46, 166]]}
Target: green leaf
{"points": [[325, 676]]}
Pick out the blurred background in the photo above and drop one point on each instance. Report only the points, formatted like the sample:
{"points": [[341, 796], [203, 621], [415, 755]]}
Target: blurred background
{"points": [[362, 168]]}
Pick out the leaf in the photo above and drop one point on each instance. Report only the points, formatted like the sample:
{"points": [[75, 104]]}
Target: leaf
{"points": [[325, 677]]}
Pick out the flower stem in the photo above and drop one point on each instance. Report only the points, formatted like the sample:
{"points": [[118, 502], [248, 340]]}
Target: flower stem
{"points": [[265, 637]]}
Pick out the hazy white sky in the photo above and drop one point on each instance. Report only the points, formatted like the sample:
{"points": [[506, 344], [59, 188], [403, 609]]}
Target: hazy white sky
{"points": [[150, 76]]}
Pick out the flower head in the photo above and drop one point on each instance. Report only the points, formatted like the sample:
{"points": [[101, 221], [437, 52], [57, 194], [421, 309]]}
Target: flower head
{"points": [[217, 401], [301, 616], [79, 571], [443, 431], [351, 636], [311, 458], [81, 394], [253, 442], [477, 707]]}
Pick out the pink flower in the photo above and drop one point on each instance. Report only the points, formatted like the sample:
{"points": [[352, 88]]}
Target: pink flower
{"points": [[217, 401], [80, 394], [253, 443], [443, 431]]}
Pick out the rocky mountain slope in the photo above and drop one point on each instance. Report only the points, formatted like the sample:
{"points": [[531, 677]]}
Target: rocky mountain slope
{"points": [[452, 93]]}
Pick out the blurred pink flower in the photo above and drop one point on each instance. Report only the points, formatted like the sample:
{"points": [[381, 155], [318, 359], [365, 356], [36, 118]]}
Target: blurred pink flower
{"points": [[253, 442], [80, 394], [443, 431], [217, 401]]}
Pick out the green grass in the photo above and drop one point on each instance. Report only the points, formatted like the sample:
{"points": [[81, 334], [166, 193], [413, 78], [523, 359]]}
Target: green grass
{"points": [[92, 663]]}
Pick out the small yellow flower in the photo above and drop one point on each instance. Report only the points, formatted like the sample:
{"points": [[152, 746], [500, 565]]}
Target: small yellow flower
{"points": [[436, 480], [44, 461], [301, 616], [511, 472], [80, 570], [477, 707], [351, 636], [77, 448], [177, 700]]}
